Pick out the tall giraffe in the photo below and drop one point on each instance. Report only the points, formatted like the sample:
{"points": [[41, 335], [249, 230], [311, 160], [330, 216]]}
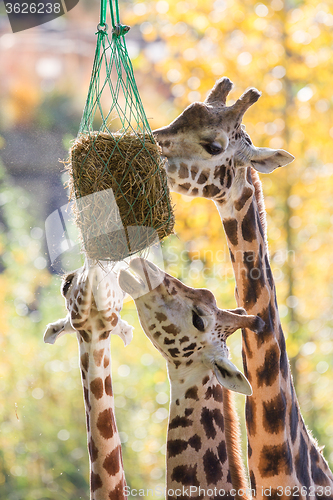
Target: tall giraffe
{"points": [[210, 155], [94, 300], [190, 331]]}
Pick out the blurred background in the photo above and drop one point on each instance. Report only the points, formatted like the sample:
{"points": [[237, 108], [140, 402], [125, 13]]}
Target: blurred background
{"points": [[178, 50]]}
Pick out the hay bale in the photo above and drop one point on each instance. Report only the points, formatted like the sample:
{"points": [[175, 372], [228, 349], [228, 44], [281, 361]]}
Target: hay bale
{"points": [[122, 199]]}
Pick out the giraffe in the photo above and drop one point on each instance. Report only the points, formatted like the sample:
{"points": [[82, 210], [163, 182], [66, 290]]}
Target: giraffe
{"points": [[209, 154], [94, 300], [190, 331]]}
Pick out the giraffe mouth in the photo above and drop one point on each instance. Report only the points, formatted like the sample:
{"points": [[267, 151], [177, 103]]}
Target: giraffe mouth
{"points": [[145, 278]]}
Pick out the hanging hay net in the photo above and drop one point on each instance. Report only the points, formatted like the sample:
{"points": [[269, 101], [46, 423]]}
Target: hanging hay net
{"points": [[116, 175]]}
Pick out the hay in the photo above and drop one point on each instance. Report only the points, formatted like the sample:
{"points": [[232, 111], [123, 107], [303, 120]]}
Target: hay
{"points": [[137, 212]]}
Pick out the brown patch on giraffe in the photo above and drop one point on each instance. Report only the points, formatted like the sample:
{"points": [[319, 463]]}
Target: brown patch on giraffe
{"points": [[172, 167], [83, 375], [195, 442], [95, 481], [174, 352], [113, 319], [118, 492], [151, 327], [207, 421], [106, 423], [229, 178], [98, 355], [88, 421], [284, 362], [249, 226], [93, 450], [86, 398], [100, 325], [230, 227], [210, 191], [183, 339], [186, 475], [173, 329], [194, 191], [294, 417], [216, 392], [97, 387], [188, 411], [160, 316], [190, 347], [268, 316], [205, 380], [203, 177], [156, 335], [220, 173], [318, 475], [83, 334], [168, 341], [176, 446], [108, 386], [180, 422], [212, 467], [268, 373], [302, 463], [253, 481], [189, 362], [247, 193], [112, 461], [194, 171], [253, 278], [275, 460], [192, 393], [183, 171], [106, 361], [250, 415], [184, 187], [147, 306], [274, 414], [218, 418]]}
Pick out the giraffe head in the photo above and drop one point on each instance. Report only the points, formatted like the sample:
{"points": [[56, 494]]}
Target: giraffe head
{"points": [[186, 325], [207, 143], [94, 301]]}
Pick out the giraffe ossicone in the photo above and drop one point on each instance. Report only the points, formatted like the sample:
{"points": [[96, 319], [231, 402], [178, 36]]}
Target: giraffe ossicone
{"points": [[94, 301], [190, 331]]}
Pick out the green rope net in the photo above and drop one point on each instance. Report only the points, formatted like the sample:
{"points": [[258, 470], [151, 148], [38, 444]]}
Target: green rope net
{"points": [[117, 176]]}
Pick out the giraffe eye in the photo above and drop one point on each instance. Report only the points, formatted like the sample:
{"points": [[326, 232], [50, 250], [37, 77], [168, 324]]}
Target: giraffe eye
{"points": [[198, 322], [213, 148], [66, 284]]}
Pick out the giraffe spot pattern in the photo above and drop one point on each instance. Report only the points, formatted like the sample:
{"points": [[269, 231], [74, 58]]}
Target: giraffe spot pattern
{"points": [[253, 278], [184, 187], [284, 363], [205, 380], [195, 442], [83, 334], [216, 392], [118, 492], [212, 467], [176, 446], [95, 481], [188, 411], [180, 422], [97, 387], [274, 414], [207, 419], [112, 461], [86, 398], [186, 475], [173, 329], [222, 453], [302, 464], [192, 393], [108, 386], [268, 316], [98, 356], [267, 374], [93, 451], [194, 171], [106, 361], [169, 341], [210, 191], [106, 423], [250, 409], [275, 460], [203, 177], [318, 475], [174, 352], [247, 193], [249, 228], [183, 171], [183, 339], [160, 317], [230, 227], [83, 375]]}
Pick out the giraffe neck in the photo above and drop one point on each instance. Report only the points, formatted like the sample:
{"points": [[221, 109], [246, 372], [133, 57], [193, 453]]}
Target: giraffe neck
{"points": [[203, 452], [281, 452], [107, 479]]}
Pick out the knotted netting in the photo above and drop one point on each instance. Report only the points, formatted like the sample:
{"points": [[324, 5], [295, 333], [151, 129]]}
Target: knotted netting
{"points": [[117, 176]]}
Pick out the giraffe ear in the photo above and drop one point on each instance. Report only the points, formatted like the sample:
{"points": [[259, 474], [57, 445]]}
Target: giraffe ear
{"points": [[265, 160], [230, 377], [58, 329]]}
